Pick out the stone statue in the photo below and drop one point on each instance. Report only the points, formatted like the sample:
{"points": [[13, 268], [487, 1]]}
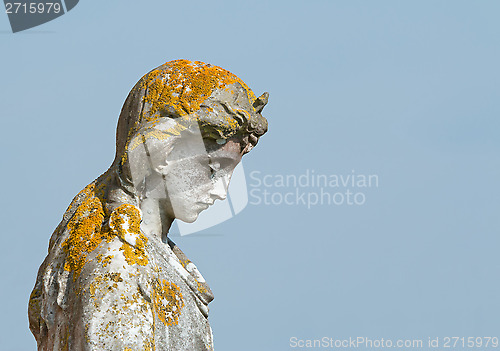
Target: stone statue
{"points": [[112, 280]]}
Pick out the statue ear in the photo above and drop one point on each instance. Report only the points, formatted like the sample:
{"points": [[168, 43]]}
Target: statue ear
{"points": [[260, 102]]}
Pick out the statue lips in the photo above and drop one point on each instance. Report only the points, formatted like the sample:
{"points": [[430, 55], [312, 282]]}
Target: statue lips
{"points": [[204, 205]]}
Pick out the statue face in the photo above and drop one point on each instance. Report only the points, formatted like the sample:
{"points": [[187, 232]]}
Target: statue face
{"points": [[189, 175], [195, 179], [185, 173]]}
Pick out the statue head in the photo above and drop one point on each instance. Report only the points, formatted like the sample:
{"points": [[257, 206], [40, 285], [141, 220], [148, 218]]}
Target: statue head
{"points": [[183, 129]]}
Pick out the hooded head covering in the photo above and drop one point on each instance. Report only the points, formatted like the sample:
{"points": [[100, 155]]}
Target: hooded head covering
{"points": [[220, 103]]}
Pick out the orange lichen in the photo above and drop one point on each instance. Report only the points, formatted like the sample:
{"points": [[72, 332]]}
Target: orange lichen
{"points": [[129, 231], [84, 232], [150, 345], [185, 86], [201, 288], [117, 221], [178, 89], [101, 284], [167, 302], [184, 261], [181, 125], [105, 260], [135, 255]]}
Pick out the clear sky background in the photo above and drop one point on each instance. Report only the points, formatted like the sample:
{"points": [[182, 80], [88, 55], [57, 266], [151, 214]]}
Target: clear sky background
{"points": [[406, 90]]}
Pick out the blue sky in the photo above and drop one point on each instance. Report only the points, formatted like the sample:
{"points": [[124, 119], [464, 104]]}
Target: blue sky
{"points": [[405, 90]]}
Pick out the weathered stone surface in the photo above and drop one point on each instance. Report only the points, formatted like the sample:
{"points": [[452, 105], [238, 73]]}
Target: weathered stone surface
{"points": [[112, 280]]}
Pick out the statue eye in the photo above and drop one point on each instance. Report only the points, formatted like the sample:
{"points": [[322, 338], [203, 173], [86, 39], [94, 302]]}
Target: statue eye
{"points": [[214, 168]]}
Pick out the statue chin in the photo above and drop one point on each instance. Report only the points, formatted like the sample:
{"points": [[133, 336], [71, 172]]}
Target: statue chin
{"points": [[189, 218]]}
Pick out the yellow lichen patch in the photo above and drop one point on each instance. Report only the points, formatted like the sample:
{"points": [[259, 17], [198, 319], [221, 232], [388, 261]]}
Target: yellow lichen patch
{"points": [[150, 345], [84, 192], [201, 288], [86, 334], [34, 305], [181, 125], [104, 260], [118, 217], [243, 112], [102, 283], [125, 223], [116, 277], [184, 85], [167, 302], [178, 89], [84, 232], [129, 300], [184, 261], [135, 255], [96, 286]]}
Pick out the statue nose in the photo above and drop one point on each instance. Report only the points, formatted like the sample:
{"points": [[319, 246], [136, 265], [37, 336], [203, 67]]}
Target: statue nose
{"points": [[219, 190]]}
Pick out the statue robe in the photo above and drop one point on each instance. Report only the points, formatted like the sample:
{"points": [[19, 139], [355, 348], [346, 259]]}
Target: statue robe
{"points": [[105, 285]]}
